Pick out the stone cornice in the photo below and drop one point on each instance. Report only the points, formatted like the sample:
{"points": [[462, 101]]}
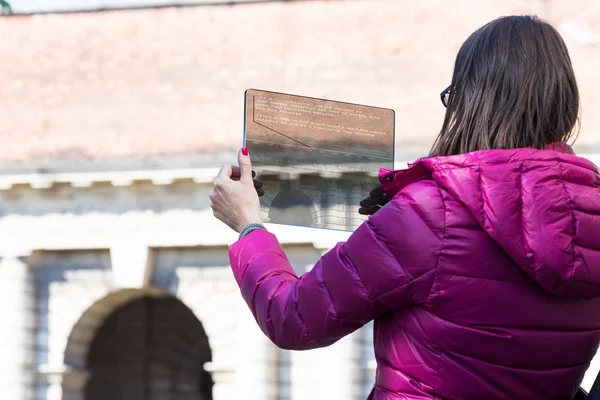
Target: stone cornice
{"points": [[160, 176]]}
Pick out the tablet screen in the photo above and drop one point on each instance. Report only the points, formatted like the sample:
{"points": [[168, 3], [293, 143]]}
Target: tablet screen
{"points": [[317, 158]]}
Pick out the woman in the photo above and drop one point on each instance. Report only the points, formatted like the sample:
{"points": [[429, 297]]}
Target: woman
{"points": [[482, 272]]}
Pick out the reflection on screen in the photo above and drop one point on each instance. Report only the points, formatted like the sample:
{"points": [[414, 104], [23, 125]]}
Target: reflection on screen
{"points": [[317, 158]]}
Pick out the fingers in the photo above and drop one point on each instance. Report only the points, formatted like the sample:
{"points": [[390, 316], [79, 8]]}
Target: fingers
{"points": [[365, 211], [377, 199], [371, 201], [235, 175], [376, 196], [258, 185], [369, 210], [225, 174], [378, 191], [245, 165]]}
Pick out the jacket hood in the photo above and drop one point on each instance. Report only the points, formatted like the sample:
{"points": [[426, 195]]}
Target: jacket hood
{"points": [[542, 207]]}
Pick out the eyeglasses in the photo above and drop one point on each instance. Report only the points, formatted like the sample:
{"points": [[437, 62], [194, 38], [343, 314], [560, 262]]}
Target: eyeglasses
{"points": [[445, 96]]}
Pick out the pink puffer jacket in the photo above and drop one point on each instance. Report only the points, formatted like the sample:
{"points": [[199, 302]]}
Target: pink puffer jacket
{"points": [[482, 275]]}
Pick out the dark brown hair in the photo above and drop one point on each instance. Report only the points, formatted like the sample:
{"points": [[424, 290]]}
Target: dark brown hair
{"points": [[513, 86]]}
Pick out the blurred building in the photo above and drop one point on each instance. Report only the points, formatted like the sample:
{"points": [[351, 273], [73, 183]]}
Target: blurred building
{"points": [[114, 276]]}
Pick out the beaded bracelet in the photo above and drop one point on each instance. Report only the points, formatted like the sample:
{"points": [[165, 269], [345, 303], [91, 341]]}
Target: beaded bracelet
{"points": [[249, 228]]}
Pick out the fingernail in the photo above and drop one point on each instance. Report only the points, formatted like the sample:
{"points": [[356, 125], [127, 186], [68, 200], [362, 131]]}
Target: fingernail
{"points": [[245, 151]]}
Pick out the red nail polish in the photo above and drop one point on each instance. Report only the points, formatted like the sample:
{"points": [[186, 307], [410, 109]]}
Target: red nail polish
{"points": [[245, 151]]}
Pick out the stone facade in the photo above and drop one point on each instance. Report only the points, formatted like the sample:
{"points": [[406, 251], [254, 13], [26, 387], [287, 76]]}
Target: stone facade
{"points": [[74, 256], [113, 126]]}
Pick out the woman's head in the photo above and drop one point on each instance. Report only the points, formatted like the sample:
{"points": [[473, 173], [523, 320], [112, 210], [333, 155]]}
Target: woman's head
{"points": [[513, 87]]}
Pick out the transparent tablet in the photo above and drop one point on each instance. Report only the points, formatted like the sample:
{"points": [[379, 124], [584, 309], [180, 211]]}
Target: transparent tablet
{"points": [[316, 158]]}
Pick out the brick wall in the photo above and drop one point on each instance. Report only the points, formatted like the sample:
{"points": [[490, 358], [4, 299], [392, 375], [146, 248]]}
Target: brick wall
{"points": [[154, 82]]}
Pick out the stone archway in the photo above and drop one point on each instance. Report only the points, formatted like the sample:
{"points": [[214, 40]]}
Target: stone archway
{"points": [[292, 207], [138, 345]]}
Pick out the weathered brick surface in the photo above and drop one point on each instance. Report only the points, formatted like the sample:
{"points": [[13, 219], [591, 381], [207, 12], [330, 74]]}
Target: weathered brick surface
{"points": [[170, 81]]}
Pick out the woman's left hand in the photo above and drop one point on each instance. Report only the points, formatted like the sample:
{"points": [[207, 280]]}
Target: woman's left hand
{"points": [[233, 197], [377, 199]]}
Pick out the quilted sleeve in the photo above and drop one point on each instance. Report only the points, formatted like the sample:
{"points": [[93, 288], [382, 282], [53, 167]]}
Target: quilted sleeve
{"points": [[388, 263]]}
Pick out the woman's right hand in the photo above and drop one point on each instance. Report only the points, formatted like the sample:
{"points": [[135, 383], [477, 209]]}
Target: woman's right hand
{"points": [[377, 199], [258, 185]]}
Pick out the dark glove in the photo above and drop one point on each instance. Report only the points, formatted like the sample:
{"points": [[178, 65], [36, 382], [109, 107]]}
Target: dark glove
{"points": [[377, 199], [258, 185]]}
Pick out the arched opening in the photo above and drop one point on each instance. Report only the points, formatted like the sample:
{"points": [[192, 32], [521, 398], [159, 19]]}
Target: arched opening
{"points": [[292, 207], [147, 346]]}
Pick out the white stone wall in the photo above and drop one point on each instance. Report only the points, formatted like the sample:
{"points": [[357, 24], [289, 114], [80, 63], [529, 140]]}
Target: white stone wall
{"points": [[67, 284], [333, 372], [163, 236], [104, 216], [62, 249], [17, 363], [243, 357], [201, 278]]}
